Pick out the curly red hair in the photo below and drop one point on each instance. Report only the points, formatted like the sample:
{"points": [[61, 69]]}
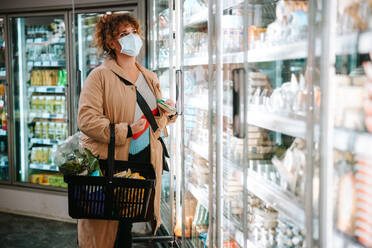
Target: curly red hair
{"points": [[107, 29]]}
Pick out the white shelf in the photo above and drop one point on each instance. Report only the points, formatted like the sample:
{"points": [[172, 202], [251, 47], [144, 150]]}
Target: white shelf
{"points": [[202, 59], [202, 16], [47, 89], [345, 44], [200, 194], [47, 115], [278, 123], [199, 17], [45, 141], [48, 167], [284, 202], [200, 149]]}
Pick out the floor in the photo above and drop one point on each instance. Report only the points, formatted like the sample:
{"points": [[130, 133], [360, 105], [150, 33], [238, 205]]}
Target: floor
{"points": [[18, 231]]}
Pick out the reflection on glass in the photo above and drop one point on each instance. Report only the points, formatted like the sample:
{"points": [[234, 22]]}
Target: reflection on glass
{"points": [[87, 53], [40, 79]]}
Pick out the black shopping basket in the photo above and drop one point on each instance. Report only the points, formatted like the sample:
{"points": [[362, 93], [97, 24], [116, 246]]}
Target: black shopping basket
{"points": [[109, 197]]}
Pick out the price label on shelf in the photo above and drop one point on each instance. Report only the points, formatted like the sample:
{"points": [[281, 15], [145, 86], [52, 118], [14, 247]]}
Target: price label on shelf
{"points": [[54, 63], [46, 63]]}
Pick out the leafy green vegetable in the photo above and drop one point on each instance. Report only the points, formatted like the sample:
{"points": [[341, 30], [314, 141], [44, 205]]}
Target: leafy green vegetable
{"points": [[79, 162]]}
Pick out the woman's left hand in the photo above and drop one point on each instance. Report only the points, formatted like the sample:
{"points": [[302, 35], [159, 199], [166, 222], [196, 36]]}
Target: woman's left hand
{"points": [[170, 103]]}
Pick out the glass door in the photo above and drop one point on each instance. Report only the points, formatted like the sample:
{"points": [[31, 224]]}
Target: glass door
{"points": [[272, 126], [196, 162], [39, 81], [4, 168], [161, 62], [232, 166], [348, 77]]}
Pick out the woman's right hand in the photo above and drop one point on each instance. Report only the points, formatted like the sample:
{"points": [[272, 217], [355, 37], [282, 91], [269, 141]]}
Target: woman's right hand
{"points": [[138, 126]]}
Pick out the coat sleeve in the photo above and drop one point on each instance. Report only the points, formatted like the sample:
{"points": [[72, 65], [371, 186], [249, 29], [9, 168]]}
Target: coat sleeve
{"points": [[91, 118]]}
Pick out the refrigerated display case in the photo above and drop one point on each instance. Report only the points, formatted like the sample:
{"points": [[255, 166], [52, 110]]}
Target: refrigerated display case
{"points": [[159, 62], [40, 95], [4, 168], [256, 131]]}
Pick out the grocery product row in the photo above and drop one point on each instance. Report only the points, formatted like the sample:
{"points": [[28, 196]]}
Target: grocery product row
{"points": [[48, 104], [49, 130], [48, 77], [54, 180]]}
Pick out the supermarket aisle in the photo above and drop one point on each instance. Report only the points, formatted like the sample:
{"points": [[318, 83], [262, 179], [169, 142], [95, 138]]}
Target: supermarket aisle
{"points": [[18, 231]]}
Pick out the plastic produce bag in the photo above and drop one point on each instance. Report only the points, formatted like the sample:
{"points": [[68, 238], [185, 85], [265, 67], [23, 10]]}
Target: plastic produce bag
{"points": [[73, 159]]}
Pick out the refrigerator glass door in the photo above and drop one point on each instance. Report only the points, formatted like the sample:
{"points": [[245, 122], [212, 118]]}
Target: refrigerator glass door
{"points": [[196, 131], [232, 232], [276, 131], [38, 49], [159, 62], [349, 85], [4, 169]]}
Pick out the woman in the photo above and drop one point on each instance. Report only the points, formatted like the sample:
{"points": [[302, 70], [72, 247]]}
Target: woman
{"points": [[104, 100]]}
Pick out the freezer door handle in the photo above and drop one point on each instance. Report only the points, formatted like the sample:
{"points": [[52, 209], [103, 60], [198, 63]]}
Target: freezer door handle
{"points": [[179, 92], [239, 102], [78, 81]]}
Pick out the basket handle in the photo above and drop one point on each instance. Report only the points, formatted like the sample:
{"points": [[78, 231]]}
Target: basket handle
{"points": [[111, 152]]}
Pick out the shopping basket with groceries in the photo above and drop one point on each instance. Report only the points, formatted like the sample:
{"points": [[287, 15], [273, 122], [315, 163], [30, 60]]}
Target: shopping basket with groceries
{"points": [[113, 190]]}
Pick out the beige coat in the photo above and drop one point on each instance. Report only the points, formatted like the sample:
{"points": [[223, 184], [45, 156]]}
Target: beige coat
{"points": [[104, 100]]}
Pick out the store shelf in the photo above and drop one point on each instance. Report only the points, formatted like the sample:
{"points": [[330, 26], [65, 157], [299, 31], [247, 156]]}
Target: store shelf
{"points": [[296, 50], [2, 77], [284, 202], [47, 167], [238, 235], [202, 59], [200, 194], [47, 115], [278, 123], [45, 141], [202, 16], [198, 18], [46, 89], [200, 149]]}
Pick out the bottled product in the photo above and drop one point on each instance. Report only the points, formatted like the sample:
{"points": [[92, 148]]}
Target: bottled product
{"points": [[51, 130], [4, 121], [45, 130], [37, 130]]}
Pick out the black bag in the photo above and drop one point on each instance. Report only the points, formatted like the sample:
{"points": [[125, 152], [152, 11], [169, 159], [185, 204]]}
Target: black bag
{"points": [[150, 118], [112, 198]]}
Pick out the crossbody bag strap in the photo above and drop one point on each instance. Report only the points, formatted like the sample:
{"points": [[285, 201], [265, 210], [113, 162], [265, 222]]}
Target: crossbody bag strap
{"points": [[143, 105], [147, 112]]}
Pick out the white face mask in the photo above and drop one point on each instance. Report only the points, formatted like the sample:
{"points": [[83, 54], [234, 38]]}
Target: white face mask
{"points": [[130, 44]]}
